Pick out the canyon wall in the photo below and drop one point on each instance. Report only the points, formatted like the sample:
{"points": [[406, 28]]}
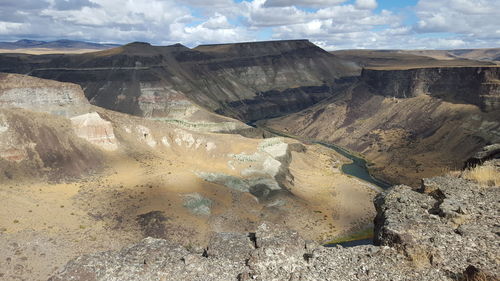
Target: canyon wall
{"points": [[479, 86], [409, 123], [248, 81], [37, 140]]}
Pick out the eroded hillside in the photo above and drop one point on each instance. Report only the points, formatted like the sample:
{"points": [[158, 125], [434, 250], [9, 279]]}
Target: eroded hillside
{"points": [[409, 123], [78, 179]]}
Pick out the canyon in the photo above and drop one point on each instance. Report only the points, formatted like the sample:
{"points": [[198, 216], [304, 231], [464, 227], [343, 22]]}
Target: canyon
{"points": [[81, 179], [411, 123], [144, 162], [248, 81]]}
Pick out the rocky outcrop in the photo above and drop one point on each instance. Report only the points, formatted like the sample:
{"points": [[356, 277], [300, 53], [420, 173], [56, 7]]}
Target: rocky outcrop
{"points": [[20, 91], [446, 230], [37, 145], [95, 130], [488, 152], [262, 173], [245, 80], [448, 223]]}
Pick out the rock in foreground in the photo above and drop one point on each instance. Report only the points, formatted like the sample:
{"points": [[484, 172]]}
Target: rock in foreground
{"points": [[447, 230]]}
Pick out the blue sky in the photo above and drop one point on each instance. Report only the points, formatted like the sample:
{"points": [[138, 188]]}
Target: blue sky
{"points": [[331, 24]]}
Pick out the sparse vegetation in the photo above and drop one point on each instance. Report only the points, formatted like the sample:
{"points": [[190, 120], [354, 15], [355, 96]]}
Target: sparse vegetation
{"points": [[203, 126], [487, 175], [363, 234], [270, 142], [242, 157]]}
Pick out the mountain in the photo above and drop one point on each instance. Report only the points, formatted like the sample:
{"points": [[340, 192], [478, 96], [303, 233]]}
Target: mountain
{"points": [[259, 80], [58, 44], [247, 81]]}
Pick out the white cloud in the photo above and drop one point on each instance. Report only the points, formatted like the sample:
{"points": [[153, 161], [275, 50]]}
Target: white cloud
{"points": [[366, 4], [303, 3], [7, 27], [330, 23], [216, 29], [478, 18]]}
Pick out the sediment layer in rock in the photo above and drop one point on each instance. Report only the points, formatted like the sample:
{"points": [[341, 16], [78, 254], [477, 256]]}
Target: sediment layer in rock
{"points": [[249, 81]]}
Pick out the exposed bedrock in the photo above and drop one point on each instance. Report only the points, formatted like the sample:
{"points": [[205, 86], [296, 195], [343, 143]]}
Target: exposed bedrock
{"points": [[248, 81], [95, 130], [447, 230], [468, 85]]}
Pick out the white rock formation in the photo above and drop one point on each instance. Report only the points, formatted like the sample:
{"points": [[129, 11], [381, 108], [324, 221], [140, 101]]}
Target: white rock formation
{"points": [[210, 146], [95, 130], [184, 138], [165, 141], [145, 135]]}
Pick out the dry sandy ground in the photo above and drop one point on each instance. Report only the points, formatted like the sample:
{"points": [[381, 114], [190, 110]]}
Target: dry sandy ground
{"points": [[43, 225]]}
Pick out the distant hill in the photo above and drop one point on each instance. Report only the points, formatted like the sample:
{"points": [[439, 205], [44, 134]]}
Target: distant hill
{"points": [[491, 54], [58, 44], [403, 59]]}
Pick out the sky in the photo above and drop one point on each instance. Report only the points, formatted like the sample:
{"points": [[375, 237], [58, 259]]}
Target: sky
{"points": [[331, 24]]}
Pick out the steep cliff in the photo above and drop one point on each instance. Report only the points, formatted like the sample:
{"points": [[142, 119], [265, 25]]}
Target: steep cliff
{"points": [[36, 140], [40, 95], [408, 123], [478, 86], [245, 80]]}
